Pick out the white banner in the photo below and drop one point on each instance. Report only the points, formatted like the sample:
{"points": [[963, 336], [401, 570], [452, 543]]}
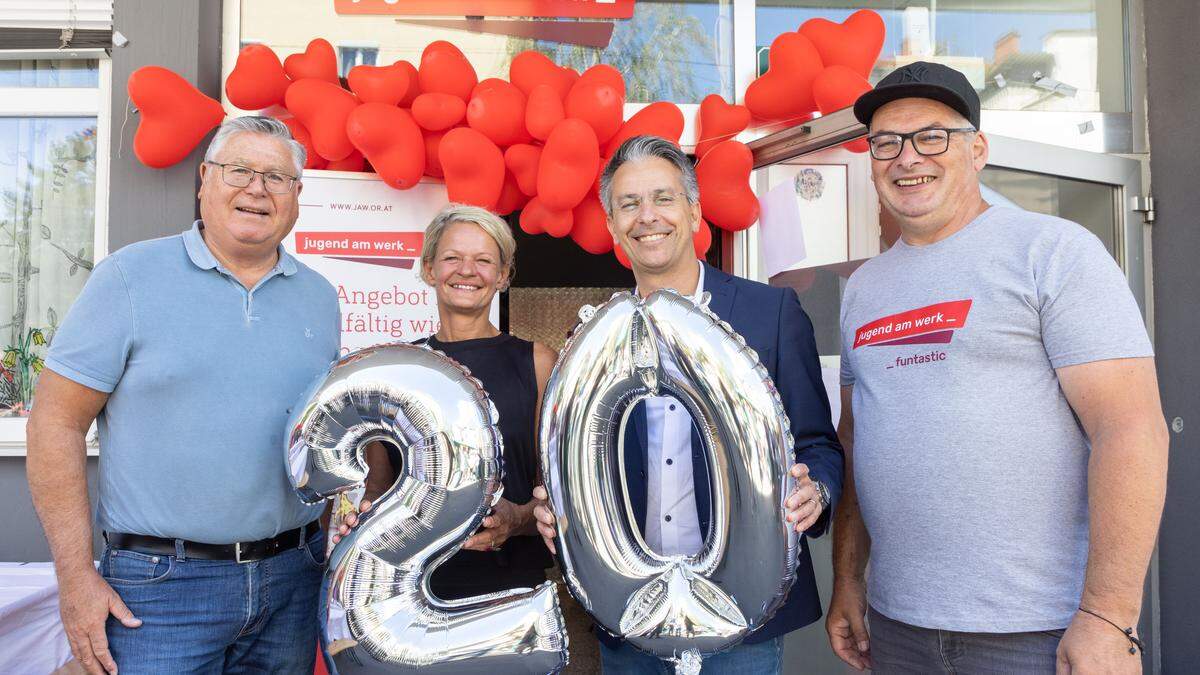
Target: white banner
{"points": [[365, 238]]}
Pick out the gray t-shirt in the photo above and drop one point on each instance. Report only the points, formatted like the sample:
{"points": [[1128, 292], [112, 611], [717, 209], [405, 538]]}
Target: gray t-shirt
{"points": [[970, 466]]}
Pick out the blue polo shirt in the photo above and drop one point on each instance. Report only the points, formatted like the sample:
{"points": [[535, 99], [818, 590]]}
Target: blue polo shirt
{"points": [[200, 374]]}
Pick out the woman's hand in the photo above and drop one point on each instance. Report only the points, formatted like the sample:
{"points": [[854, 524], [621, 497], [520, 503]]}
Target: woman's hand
{"points": [[351, 520], [506, 520]]}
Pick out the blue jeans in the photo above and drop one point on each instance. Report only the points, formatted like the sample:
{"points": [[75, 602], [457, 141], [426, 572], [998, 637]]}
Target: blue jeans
{"points": [[901, 649], [216, 616], [765, 658]]}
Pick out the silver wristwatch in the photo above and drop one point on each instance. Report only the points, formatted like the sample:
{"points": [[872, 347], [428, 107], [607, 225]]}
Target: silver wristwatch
{"points": [[822, 494]]}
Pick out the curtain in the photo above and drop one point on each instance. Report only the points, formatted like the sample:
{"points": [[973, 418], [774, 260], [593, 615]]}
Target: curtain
{"points": [[47, 224]]}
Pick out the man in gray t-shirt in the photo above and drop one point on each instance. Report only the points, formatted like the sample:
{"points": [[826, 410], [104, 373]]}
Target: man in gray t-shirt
{"points": [[999, 408]]}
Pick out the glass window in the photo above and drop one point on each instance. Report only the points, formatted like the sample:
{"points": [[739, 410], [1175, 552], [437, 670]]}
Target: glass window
{"points": [[47, 226], [1092, 205], [678, 51], [348, 57], [668, 51], [47, 73], [1058, 55]]}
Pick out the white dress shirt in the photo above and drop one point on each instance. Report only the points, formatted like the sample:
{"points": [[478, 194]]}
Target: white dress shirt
{"points": [[672, 523]]}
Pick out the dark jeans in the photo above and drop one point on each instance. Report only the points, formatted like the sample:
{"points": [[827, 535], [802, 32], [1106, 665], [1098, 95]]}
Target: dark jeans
{"points": [[898, 648], [216, 616]]}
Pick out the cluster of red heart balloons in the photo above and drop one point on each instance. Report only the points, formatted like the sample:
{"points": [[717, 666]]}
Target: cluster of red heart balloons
{"points": [[821, 67], [534, 143]]}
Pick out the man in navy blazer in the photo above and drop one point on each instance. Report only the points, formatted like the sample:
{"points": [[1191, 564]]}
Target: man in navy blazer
{"points": [[650, 194]]}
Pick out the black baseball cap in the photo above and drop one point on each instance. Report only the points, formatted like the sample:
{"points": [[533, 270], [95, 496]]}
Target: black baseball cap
{"points": [[921, 79]]}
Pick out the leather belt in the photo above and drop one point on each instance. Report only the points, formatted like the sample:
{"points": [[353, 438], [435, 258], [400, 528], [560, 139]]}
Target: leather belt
{"points": [[243, 551]]}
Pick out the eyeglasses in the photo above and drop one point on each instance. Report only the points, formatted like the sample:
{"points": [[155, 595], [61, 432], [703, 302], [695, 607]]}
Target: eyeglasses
{"points": [[240, 176], [663, 200], [927, 142]]}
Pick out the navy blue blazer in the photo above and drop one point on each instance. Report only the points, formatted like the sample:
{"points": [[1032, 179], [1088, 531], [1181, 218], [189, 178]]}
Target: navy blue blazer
{"points": [[774, 325]]}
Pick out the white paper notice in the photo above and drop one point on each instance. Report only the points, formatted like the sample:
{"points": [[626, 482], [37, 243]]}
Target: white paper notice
{"points": [[781, 236]]}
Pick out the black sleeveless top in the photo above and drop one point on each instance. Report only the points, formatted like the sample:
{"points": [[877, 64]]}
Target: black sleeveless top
{"points": [[504, 364]]}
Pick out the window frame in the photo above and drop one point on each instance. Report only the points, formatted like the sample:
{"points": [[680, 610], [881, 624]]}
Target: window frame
{"points": [[66, 102]]}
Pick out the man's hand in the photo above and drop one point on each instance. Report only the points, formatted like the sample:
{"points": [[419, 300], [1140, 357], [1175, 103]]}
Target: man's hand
{"points": [[85, 600], [804, 505], [847, 626], [544, 517], [351, 520], [507, 519], [1092, 646]]}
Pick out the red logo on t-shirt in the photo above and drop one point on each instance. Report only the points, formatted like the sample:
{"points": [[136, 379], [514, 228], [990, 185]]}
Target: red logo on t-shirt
{"points": [[934, 324]]}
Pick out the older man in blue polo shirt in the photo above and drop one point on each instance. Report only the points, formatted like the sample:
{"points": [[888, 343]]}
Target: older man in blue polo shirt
{"points": [[188, 352]]}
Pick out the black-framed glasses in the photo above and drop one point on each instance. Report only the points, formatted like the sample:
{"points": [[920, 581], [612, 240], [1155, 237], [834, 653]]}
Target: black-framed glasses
{"points": [[927, 142], [240, 176]]}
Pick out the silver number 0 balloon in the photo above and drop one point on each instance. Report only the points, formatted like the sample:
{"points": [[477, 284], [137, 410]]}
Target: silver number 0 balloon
{"points": [[377, 612], [677, 607]]}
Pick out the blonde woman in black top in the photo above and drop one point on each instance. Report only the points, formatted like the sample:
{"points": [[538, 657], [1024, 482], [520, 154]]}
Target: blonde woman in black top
{"points": [[467, 258]]}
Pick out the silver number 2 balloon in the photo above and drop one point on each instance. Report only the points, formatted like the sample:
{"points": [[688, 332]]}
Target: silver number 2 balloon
{"points": [[680, 607], [377, 612]]}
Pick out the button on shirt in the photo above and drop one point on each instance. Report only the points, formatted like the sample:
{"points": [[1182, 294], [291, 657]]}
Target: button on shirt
{"points": [[201, 373], [672, 523]]}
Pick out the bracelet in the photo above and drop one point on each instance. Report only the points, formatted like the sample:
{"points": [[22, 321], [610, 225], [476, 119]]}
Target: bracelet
{"points": [[1135, 644]]}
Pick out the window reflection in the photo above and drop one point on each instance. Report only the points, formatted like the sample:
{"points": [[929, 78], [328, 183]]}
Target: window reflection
{"points": [[50, 73], [673, 51], [47, 225], [1060, 55]]}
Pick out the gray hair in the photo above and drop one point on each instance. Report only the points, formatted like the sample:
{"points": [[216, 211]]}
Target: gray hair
{"points": [[646, 147], [487, 221], [268, 126]]}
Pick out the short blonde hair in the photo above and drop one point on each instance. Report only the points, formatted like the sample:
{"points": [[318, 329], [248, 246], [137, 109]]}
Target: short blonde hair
{"points": [[489, 222]]}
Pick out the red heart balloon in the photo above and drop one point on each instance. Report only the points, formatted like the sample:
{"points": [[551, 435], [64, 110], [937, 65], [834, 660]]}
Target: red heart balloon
{"points": [[389, 138], [380, 84], [660, 119], [438, 111], [726, 199], [854, 43], [570, 77], [353, 162], [312, 160], [568, 165], [590, 226], [497, 109], [784, 92], [605, 74], [414, 86], [537, 218], [511, 197], [444, 69], [323, 108], [719, 121], [474, 167], [522, 161], [529, 69], [838, 87], [257, 80], [318, 62], [175, 116], [433, 162], [599, 104], [702, 240], [543, 112]]}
